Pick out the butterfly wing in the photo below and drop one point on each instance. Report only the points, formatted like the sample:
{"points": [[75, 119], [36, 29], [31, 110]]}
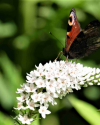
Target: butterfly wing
{"points": [[73, 29], [86, 42]]}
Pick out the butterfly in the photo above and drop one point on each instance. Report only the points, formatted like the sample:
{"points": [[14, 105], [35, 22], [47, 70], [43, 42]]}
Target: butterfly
{"points": [[81, 42]]}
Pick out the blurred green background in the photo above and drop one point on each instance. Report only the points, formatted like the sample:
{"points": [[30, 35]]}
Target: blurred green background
{"points": [[25, 42]]}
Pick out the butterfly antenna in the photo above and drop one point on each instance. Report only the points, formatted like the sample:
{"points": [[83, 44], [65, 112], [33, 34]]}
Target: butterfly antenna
{"points": [[56, 38]]}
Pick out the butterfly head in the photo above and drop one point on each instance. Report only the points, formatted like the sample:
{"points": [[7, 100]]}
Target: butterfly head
{"points": [[67, 54]]}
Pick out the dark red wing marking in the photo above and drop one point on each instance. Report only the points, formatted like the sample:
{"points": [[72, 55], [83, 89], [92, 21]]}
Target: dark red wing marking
{"points": [[73, 29], [79, 42]]}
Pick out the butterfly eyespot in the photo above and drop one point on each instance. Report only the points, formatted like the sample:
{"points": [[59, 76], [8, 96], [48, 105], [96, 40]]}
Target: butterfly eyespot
{"points": [[70, 19], [70, 22], [68, 37]]}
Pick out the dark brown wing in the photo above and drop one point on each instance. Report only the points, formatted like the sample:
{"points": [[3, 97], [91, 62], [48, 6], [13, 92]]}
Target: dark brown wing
{"points": [[86, 42]]}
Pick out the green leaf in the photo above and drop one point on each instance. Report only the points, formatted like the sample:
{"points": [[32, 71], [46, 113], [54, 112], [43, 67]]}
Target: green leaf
{"points": [[5, 120], [10, 80], [36, 122], [5, 94], [10, 71], [86, 110]]}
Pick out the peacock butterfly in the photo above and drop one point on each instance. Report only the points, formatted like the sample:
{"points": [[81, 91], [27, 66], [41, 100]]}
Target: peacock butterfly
{"points": [[81, 42]]}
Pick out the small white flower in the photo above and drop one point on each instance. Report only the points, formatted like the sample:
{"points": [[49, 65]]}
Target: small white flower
{"points": [[97, 76], [58, 84], [98, 84], [64, 83], [53, 95], [49, 75], [95, 81], [88, 79], [39, 72], [20, 106], [85, 85], [57, 73], [32, 74], [62, 64], [49, 66], [68, 90], [93, 72], [30, 88], [81, 83], [30, 79], [50, 86], [97, 70], [44, 98], [39, 67], [36, 97], [31, 104], [43, 111], [24, 119], [40, 83], [61, 94], [48, 97], [23, 97], [92, 77], [21, 89], [90, 83]]}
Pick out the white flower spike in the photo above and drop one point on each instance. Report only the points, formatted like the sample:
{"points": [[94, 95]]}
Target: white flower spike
{"points": [[50, 81]]}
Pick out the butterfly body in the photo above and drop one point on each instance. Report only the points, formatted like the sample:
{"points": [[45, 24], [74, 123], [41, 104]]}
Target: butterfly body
{"points": [[80, 43]]}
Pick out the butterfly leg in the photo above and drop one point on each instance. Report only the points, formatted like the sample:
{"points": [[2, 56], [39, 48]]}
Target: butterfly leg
{"points": [[66, 59], [58, 55]]}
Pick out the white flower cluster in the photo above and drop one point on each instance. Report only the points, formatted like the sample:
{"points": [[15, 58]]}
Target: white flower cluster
{"points": [[50, 81]]}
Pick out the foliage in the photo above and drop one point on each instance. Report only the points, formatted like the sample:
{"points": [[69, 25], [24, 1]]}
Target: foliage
{"points": [[25, 42]]}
